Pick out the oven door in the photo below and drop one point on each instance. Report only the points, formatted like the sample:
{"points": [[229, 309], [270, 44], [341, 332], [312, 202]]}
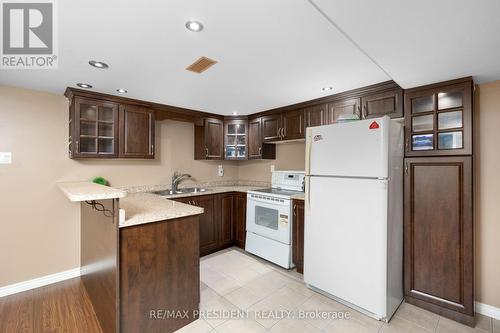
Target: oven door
{"points": [[269, 217]]}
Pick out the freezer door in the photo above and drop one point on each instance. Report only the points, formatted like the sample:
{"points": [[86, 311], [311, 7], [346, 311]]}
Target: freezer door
{"points": [[345, 242], [354, 149]]}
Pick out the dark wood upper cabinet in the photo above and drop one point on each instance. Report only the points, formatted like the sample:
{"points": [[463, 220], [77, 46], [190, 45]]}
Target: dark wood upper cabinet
{"points": [[231, 139], [344, 106], [293, 125], [235, 139], [385, 103], [283, 126], [298, 235], [257, 149], [137, 126], [271, 128], [213, 139], [93, 129], [316, 115], [439, 236], [438, 119], [209, 139], [255, 138], [99, 128]]}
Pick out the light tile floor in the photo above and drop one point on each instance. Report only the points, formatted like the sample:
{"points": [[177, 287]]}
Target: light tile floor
{"points": [[241, 293]]}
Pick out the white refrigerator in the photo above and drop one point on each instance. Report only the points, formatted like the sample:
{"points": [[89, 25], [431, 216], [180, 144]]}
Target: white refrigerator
{"points": [[353, 242]]}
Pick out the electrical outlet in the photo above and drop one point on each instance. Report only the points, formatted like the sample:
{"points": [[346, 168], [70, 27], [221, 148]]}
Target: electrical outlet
{"points": [[220, 170], [5, 157]]}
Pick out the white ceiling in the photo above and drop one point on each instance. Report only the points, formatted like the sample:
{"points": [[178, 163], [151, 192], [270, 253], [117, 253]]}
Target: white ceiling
{"points": [[424, 41], [270, 52]]}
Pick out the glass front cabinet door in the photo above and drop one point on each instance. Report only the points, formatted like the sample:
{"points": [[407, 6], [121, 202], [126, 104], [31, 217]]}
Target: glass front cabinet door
{"points": [[235, 140], [438, 120], [93, 129]]}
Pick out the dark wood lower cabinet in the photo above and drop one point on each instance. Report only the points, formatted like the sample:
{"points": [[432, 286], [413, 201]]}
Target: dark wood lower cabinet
{"points": [[298, 235], [223, 223], [439, 236], [226, 219], [159, 271], [209, 227], [240, 219], [99, 242], [134, 274]]}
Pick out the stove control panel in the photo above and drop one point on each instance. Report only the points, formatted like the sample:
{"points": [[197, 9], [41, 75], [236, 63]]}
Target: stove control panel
{"points": [[288, 180]]}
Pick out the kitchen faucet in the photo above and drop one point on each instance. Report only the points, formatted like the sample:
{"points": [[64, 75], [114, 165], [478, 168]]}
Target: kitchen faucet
{"points": [[176, 178]]}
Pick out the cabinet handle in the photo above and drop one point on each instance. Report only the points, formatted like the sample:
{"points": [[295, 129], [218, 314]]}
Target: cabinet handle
{"points": [[407, 144], [406, 169], [152, 149], [206, 152], [365, 112], [295, 210], [260, 150], [78, 145]]}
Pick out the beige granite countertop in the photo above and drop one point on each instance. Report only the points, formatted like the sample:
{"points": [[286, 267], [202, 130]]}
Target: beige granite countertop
{"points": [[143, 208], [216, 190], [84, 190], [300, 196], [212, 187]]}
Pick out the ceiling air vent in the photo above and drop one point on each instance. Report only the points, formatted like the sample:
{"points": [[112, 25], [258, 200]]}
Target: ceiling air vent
{"points": [[201, 65]]}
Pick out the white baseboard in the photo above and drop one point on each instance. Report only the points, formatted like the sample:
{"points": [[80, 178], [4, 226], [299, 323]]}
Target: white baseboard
{"points": [[487, 310], [39, 282]]}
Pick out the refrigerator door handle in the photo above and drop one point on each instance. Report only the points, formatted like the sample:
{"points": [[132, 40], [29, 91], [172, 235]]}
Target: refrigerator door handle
{"points": [[308, 151], [308, 194]]}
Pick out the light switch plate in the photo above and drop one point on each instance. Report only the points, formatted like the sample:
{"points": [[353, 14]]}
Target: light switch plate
{"points": [[5, 157], [272, 168], [220, 170]]}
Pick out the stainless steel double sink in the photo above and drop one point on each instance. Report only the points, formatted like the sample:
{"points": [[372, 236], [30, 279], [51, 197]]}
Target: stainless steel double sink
{"points": [[182, 191]]}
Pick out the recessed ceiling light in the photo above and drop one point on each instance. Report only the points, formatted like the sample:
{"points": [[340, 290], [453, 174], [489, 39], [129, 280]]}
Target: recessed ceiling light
{"points": [[121, 91], [326, 88], [84, 85], [98, 64], [194, 26], [235, 113]]}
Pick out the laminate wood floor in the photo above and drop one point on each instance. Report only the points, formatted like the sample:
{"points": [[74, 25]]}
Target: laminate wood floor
{"points": [[59, 307]]}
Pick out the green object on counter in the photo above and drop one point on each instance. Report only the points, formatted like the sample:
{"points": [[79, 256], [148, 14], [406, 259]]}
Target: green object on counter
{"points": [[101, 181]]}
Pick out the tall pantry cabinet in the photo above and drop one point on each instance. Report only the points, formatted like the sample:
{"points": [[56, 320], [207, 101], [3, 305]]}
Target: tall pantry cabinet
{"points": [[438, 197]]}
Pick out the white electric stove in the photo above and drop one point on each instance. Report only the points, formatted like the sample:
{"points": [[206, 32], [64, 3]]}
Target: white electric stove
{"points": [[270, 218]]}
